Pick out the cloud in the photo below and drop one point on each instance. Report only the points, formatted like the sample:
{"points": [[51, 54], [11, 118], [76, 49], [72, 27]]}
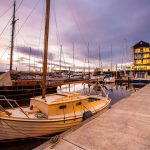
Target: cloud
{"points": [[82, 21], [32, 51]]}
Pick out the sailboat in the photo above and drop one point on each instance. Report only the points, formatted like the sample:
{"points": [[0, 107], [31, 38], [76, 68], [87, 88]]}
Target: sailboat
{"points": [[50, 113], [13, 86]]}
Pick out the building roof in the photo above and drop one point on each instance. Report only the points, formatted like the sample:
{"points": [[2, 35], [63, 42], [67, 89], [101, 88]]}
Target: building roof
{"points": [[141, 44]]}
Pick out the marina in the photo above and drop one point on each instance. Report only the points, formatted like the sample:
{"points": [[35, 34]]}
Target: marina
{"points": [[118, 93], [73, 78], [124, 126]]}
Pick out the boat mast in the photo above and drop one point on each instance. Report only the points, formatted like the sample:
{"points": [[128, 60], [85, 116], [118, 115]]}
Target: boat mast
{"points": [[29, 60], [88, 59], [12, 36], [45, 47], [100, 59], [60, 57], [111, 57], [73, 59]]}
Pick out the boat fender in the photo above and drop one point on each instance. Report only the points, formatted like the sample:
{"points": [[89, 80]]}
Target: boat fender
{"points": [[87, 114]]}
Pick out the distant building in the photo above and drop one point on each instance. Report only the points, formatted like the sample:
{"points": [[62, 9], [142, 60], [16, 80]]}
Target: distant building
{"points": [[141, 54]]}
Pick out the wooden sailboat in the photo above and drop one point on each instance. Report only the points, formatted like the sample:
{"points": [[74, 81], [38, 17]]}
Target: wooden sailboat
{"points": [[48, 114], [57, 113]]}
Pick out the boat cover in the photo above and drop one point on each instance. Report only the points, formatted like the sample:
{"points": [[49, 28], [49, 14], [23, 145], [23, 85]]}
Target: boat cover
{"points": [[5, 79]]}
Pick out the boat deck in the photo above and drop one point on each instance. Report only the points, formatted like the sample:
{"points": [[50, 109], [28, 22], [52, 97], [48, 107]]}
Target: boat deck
{"points": [[64, 97], [17, 113], [33, 110]]}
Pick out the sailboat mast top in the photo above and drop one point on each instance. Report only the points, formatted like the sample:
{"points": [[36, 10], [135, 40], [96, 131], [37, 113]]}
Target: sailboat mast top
{"points": [[89, 58], [46, 47], [12, 35], [60, 56]]}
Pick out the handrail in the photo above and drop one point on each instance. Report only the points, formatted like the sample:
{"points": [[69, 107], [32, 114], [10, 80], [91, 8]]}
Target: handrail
{"points": [[21, 109], [7, 101], [10, 100], [2, 109], [98, 83]]}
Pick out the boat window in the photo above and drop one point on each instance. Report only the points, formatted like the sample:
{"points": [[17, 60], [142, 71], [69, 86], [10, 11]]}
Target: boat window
{"points": [[92, 99], [60, 94], [62, 107], [97, 99], [78, 103]]}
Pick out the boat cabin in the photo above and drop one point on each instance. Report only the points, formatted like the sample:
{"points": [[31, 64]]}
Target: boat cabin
{"points": [[66, 103]]}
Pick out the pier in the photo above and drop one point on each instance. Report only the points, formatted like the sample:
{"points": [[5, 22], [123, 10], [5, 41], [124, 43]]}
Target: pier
{"points": [[125, 126]]}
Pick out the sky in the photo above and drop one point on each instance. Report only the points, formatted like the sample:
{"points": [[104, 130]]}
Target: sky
{"points": [[106, 27]]}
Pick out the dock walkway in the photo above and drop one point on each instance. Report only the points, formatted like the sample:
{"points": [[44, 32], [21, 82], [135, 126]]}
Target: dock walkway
{"points": [[126, 126]]}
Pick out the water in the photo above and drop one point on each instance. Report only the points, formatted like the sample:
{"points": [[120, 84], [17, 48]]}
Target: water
{"points": [[116, 93]]}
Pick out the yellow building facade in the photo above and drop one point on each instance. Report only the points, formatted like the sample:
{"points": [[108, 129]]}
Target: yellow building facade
{"points": [[141, 54]]}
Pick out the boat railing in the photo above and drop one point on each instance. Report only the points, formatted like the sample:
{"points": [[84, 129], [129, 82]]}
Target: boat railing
{"points": [[100, 85], [3, 98], [10, 101]]}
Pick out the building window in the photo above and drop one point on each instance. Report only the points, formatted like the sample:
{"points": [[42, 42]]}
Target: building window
{"points": [[138, 61], [146, 55], [137, 50], [146, 50]]}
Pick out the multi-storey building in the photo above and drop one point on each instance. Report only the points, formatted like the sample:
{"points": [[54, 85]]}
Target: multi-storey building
{"points": [[141, 54]]}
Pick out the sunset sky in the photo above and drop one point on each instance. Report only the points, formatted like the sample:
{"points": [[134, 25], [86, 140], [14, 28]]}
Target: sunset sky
{"points": [[102, 23]]}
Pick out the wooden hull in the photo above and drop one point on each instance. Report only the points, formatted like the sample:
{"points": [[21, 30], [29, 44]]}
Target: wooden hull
{"points": [[15, 128], [12, 129]]}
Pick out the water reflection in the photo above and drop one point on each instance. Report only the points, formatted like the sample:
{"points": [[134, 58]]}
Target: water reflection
{"points": [[115, 92]]}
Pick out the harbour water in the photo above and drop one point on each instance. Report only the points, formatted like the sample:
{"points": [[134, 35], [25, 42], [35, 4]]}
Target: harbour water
{"points": [[115, 92]]}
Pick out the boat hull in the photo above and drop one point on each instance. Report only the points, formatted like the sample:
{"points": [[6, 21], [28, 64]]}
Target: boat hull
{"points": [[13, 129]]}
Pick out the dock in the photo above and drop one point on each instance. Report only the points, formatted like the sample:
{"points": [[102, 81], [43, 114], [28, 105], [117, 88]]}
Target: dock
{"points": [[126, 126]]}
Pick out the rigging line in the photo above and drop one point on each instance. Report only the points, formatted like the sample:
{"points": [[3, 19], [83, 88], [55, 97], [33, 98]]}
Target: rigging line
{"points": [[40, 36], [28, 17], [74, 18], [5, 12], [5, 27], [41, 26], [100, 58], [19, 6], [4, 52], [64, 59], [56, 24], [57, 31]]}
